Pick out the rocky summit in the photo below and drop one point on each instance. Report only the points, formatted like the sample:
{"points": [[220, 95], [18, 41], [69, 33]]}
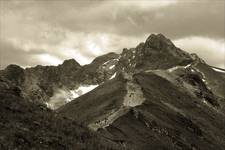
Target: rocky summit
{"points": [[151, 97]]}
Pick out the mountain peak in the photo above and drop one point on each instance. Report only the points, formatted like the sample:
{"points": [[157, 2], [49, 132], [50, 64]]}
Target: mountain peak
{"points": [[70, 62], [158, 41]]}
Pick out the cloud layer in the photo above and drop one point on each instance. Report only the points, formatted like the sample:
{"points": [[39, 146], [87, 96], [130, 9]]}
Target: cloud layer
{"points": [[47, 32]]}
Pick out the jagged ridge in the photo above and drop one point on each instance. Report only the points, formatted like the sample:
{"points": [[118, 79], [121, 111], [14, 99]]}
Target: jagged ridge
{"points": [[153, 96]]}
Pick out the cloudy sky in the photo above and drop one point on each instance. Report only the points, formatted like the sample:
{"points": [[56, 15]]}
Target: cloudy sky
{"points": [[45, 32]]}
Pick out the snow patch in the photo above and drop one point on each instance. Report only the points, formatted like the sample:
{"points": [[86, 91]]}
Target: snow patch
{"points": [[173, 68], [113, 76], [63, 96], [106, 62], [187, 66], [111, 67], [85, 89], [218, 70], [48, 105], [115, 59], [178, 67]]}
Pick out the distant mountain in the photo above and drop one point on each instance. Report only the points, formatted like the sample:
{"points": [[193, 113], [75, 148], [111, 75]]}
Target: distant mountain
{"points": [[154, 96]]}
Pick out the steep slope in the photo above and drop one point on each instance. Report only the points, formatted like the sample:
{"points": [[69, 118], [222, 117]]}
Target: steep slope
{"points": [[214, 79], [25, 125], [157, 52], [169, 117], [161, 98], [100, 102], [100, 70]]}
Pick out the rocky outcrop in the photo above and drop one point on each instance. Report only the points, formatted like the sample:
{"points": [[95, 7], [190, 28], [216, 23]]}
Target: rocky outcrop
{"points": [[100, 70], [158, 52]]}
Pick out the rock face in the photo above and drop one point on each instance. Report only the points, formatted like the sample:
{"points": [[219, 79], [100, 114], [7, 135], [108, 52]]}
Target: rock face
{"points": [[154, 96], [157, 52]]}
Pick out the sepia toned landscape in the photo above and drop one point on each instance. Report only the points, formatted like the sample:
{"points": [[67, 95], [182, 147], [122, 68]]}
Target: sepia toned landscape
{"points": [[112, 75]]}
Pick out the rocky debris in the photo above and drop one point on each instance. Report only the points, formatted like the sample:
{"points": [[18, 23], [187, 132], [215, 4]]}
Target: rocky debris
{"points": [[108, 119], [134, 97]]}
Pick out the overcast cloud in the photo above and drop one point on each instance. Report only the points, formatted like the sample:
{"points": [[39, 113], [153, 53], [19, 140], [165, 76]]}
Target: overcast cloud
{"points": [[48, 32]]}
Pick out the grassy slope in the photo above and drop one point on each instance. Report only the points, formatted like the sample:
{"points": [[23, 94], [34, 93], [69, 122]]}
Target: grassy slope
{"points": [[25, 126], [169, 119]]}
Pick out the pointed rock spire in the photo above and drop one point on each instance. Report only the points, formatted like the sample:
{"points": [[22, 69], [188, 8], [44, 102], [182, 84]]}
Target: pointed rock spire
{"points": [[70, 64], [158, 41]]}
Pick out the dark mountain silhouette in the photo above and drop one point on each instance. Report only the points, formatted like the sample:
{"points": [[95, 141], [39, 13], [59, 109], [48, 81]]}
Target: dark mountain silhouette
{"points": [[154, 96]]}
